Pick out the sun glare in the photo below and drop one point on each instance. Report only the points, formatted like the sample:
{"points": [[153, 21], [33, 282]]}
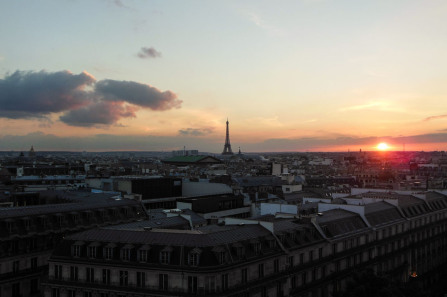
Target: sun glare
{"points": [[382, 146]]}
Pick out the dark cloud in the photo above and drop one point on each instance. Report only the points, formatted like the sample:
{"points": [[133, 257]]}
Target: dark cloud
{"points": [[37, 94], [82, 100], [435, 117], [148, 52], [195, 132], [102, 113], [139, 94]]}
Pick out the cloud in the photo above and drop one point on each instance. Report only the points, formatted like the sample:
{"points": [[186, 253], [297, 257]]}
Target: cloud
{"points": [[261, 23], [435, 117], [102, 142], [37, 94], [101, 113], [195, 132], [365, 106], [111, 142], [148, 52], [139, 94], [82, 100]]}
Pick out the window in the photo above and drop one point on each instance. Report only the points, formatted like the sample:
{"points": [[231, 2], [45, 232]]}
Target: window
{"points": [[16, 266], [320, 253], [33, 244], [165, 257], [276, 266], [225, 281], [76, 251], [221, 257], [71, 293], [244, 275], [240, 251], [16, 290], [34, 287], [257, 247], [293, 281], [263, 292], [124, 277], [323, 271], [26, 223], [311, 255], [34, 263], [108, 253], [92, 251], [193, 258], [73, 273], [90, 275], [303, 278], [290, 261], [141, 279], [88, 294], [279, 291], [301, 258], [57, 271], [142, 255], [55, 292], [163, 282], [106, 276], [192, 284], [261, 270], [210, 284], [125, 254]]}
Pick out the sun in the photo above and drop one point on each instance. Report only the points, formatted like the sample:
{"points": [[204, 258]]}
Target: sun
{"points": [[382, 146]]}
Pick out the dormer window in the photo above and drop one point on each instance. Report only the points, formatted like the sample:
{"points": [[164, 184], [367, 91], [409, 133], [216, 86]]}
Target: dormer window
{"points": [[221, 254], [76, 249], [143, 253], [126, 252], [256, 247], [165, 255], [240, 250], [292, 236], [92, 250], [194, 256], [108, 251]]}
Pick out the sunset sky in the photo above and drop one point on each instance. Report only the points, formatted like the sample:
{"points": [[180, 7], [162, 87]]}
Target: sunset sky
{"points": [[301, 75]]}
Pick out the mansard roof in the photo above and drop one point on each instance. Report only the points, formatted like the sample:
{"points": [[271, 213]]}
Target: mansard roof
{"points": [[382, 212], [173, 237], [338, 222], [84, 202]]}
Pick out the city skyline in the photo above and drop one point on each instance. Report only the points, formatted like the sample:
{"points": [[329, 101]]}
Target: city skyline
{"points": [[310, 75]]}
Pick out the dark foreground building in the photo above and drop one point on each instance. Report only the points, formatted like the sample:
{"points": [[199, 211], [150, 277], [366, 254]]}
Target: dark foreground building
{"points": [[399, 236], [28, 235]]}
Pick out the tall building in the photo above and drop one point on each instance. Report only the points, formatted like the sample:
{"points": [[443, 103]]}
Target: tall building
{"points": [[227, 147]]}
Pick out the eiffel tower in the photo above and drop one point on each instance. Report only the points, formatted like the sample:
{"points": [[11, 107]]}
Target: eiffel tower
{"points": [[227, 147]]}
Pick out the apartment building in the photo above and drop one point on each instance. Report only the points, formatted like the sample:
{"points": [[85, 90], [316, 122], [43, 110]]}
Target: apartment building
{"points": [[267, 256], [28, 235]]}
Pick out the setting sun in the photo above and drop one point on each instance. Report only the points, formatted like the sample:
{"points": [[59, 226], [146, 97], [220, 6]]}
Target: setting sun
{"points": [[382, 146]]}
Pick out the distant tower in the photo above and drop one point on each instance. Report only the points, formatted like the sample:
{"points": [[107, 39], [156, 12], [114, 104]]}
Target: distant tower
{"points": [[227, 147], [32, 153]]}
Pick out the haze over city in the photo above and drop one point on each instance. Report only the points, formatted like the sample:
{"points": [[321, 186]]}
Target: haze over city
{"points": [[162, 75]]}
